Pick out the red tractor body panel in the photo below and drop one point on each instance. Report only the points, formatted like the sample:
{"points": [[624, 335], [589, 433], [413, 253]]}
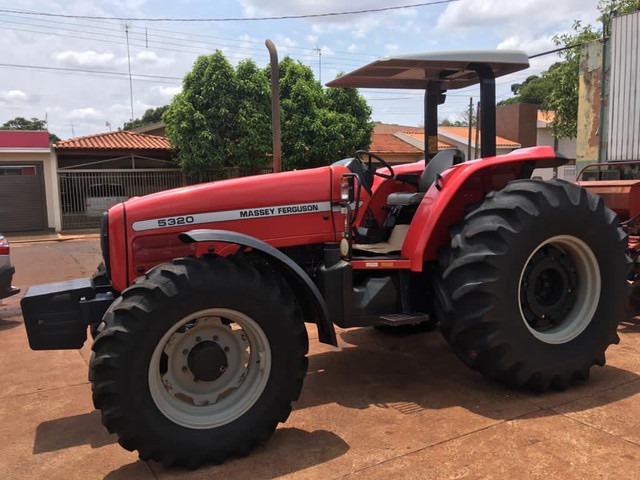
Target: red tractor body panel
{"points": [[464, 184]]}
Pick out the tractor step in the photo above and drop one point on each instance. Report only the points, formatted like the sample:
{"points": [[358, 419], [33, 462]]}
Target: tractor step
{"points": [[396, 319]]}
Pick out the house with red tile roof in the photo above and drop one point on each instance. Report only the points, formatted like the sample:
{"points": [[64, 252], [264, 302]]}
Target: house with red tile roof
{"points": [[28, 182], [403, 144], [119, 149], [116, 165]]}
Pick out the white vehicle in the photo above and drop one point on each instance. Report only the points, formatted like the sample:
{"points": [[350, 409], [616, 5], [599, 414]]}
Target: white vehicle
{"points": [[6, 270], [101, 197]]}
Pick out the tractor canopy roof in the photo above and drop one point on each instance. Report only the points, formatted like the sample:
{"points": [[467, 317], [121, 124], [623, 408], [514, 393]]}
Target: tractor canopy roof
{"points": [[437, 72], [416, 71]]}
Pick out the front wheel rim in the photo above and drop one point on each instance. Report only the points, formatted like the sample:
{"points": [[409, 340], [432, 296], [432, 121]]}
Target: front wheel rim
{"points": [[559, 289], [209, 368]]}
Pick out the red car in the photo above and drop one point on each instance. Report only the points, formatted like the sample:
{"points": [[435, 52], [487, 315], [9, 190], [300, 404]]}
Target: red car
{"points": [[6, 270]]}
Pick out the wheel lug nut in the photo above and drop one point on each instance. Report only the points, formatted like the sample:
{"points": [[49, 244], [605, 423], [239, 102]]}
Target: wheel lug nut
{"points": [[184, 369], [226, 349], [198, 339], [215, 338], [185, 351]]}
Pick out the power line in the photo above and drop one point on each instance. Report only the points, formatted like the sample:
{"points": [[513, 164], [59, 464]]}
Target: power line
{"points": [[82, 70], [198, 47], [229, 19], [556, 50], [181, 35]]}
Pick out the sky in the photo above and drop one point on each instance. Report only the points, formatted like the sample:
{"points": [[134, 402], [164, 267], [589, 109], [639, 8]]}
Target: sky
{"points": [[74, 72]]}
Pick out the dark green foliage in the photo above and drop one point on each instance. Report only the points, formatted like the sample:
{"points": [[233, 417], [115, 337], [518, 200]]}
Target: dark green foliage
{"points": [[152, 115], [222, 117], [534, 90], [21, 123]]}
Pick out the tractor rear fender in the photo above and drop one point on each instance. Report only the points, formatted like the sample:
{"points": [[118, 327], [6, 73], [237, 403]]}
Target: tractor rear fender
{"points": [[465, 184], [311, 302]]}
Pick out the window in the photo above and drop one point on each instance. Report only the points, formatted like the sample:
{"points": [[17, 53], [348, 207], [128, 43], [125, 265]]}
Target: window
{"points": [[17, 170]]}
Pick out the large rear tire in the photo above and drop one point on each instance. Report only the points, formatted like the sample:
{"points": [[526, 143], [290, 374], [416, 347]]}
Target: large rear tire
{"points": [[533, 284], [199, 361]]}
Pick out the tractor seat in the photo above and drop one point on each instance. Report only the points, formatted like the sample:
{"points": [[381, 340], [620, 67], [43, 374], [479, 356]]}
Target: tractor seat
{"points": [[443, 160]]}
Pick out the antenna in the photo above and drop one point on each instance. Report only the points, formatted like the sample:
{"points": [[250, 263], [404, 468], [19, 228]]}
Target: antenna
{"points": [[126, 31], [319, 50]]}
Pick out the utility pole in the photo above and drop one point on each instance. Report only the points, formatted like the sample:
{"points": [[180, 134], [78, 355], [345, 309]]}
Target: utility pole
{"points": [[470, 128], [319, 50], [478, 139]]}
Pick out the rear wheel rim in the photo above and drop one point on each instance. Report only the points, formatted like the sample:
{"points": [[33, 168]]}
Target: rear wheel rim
{"points": [[559, 289], [209, 368]]}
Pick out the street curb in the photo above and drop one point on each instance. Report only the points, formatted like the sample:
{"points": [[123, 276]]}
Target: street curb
{"points": [[51, 238]]}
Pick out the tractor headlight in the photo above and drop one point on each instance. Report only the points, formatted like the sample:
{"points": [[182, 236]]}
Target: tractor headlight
{"points": [[346, 189]]}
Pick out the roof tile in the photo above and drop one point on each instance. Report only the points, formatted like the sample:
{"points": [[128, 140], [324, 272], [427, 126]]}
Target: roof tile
{"points": [[464, 133], [389, 143], [120, 140]]}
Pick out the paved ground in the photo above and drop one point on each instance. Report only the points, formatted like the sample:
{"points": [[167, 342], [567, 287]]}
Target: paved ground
{"points": [[380, 407]]}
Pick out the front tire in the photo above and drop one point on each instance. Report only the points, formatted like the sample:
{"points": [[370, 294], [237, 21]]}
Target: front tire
{"points": [[199, 361], [533, 284]]}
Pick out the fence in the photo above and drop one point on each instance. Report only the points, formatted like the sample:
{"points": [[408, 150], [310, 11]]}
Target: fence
{"points": [[84, 194]]}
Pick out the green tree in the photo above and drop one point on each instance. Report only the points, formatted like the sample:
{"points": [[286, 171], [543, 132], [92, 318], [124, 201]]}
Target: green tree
{"points": [[152, 115], [21, 123], [253, 131], [200, 121], [319, 127], [534, 90], [563, 78], [222, 117]]}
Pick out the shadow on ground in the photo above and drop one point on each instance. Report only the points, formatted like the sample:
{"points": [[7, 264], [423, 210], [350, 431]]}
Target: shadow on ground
{"points": [[68, 432], [290, 450], [419, 372]]}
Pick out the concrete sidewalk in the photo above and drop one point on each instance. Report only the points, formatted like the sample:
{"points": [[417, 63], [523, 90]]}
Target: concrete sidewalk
{"points": [[31, 237], [379, 407]]}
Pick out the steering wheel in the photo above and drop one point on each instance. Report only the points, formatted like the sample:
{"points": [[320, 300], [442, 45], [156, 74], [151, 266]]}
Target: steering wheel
{"points": [[384, 163]]}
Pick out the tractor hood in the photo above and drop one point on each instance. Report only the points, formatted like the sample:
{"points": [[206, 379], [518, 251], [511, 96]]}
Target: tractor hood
{"points": [[282, 209], [269, 207]]}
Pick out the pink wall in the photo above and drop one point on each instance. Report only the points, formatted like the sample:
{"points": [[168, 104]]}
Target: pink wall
{"points": [[24, 139]]}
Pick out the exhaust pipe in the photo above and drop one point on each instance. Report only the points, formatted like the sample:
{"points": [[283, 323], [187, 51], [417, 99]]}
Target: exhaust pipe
{"points": [[275, 106]]}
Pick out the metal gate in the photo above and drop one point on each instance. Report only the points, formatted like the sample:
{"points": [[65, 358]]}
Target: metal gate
{"points": [[84, 194]]}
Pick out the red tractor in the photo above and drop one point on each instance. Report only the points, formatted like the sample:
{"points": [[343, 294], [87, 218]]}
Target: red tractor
{"points": [[198, 313]]}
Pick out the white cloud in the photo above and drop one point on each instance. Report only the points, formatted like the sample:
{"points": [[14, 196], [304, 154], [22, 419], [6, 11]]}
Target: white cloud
{"points": [[150, 58], [160, 95], [13, 96], [391, 47], [254, 8], [88, 58], [87, 113], [503, 14]]}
